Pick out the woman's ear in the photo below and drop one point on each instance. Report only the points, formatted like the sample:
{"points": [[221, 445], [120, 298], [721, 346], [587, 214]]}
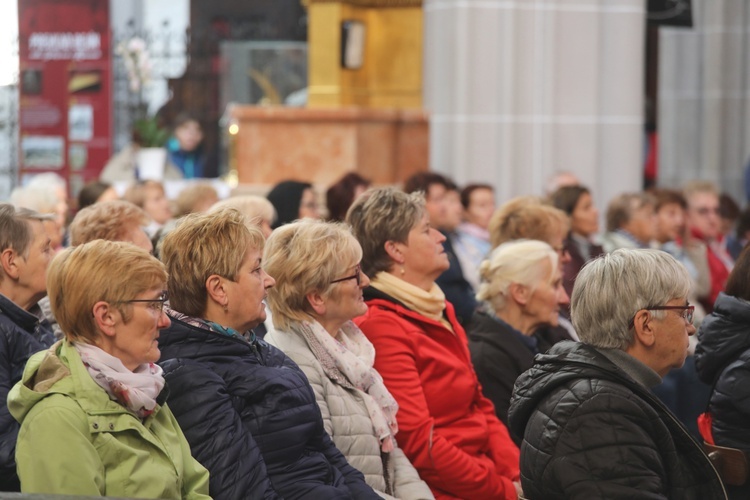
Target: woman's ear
{"points": [[519, 293], [215, 289], [317, 303], [106, 317], [393, 249]]}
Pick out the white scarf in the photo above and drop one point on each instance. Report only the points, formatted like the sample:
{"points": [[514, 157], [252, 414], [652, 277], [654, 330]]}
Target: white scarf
{"points": [[136, 390], [348, 360]]}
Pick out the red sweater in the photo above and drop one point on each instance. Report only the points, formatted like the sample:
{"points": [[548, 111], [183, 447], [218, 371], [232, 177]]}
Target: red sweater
{"points": [[446, 427]]}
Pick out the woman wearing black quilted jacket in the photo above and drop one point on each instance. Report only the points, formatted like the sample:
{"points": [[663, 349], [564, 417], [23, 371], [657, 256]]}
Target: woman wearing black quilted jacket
{"points": [[722, 357], [247, 410]]}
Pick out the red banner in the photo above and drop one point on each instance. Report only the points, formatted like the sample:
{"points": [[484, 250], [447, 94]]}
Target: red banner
{"points": [[65, 88]]}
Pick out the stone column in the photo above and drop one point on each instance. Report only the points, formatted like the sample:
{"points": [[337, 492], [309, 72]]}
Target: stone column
{"points": [[704, 97], [518, 90]]}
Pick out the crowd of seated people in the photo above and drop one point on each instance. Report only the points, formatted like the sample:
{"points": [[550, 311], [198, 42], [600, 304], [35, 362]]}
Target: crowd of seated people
{"points": [[368, 343]]}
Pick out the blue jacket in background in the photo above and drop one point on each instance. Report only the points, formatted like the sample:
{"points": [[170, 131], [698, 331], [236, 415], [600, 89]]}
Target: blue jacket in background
{"points": [[21, 335], [458, 291]]}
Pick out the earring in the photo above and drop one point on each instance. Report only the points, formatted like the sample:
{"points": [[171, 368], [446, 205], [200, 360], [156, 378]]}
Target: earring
{"points": [[403, 271], [226, 307]]}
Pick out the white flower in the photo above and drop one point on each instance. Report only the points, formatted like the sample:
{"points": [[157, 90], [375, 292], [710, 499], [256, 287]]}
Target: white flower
{"points": [[134, 53]]}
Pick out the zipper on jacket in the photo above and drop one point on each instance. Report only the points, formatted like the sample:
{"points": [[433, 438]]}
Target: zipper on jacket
{"points": [[254, 347]]}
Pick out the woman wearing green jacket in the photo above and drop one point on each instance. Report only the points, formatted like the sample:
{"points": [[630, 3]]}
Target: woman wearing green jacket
{"points": [[91, 408]]}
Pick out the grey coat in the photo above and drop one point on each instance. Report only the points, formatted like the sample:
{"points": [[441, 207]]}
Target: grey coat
{"points": [[347, 421]]}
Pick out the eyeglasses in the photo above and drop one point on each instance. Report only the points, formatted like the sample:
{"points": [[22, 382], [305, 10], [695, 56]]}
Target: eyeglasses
{"points": [[708, 210], [155, 304], [357, 276], [686, 314]]}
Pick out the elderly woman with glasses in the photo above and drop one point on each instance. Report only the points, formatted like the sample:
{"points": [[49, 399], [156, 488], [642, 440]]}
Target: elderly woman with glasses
{"points": [[247, 410], [318, 293], [447, 428], [92, 411], [522, 291]]}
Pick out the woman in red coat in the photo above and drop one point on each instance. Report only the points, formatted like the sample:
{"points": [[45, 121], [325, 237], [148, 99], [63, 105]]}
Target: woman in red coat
{"points": [[447, 428]]}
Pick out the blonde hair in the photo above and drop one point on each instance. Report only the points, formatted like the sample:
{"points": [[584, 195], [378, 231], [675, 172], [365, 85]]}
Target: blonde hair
{"points": [[136, 193], [108, 220], [699, 186], [256, 209], [81, 276], [526, 217], [202, 245], [518, 262], [303, 257], [191, 197], [382, 215]]}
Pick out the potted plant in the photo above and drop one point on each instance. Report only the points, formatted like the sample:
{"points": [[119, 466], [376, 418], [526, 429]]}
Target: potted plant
{"points": [[147, 131], [151, 138]]}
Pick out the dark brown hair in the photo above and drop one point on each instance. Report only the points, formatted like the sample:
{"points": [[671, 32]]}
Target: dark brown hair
{"points": [[738, 285], [340, 195], [566, 198]]}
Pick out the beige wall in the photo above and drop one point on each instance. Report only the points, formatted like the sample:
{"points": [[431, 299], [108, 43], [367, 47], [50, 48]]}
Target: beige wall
{"points": [[520, 89]]}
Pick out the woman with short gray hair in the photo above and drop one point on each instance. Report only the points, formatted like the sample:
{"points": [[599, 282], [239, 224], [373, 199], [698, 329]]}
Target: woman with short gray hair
{"points": [[447, 428]]}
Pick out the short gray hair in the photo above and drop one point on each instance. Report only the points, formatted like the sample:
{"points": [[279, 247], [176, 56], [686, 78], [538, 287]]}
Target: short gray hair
{"points": [[610, 289], [382, 215], [518, 261]]}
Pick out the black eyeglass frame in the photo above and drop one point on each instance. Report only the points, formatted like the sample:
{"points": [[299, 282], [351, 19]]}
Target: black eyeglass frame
{"points": [[687, 316], [164, 297], [357, 276]]}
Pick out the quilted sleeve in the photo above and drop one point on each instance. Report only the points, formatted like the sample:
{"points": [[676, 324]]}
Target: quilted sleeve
{"points": [[218, 439], [605, 450]]}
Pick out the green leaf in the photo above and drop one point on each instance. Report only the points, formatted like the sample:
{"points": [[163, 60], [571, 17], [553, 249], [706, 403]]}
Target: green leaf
{"points": [[149, 134]]}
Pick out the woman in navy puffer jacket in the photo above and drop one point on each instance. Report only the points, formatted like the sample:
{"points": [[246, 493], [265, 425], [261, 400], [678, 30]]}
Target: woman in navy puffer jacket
{"points": [[246, 409], [722, 358]]}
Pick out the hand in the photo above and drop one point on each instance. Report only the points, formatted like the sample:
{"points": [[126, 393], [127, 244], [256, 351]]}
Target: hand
{"points": [[519, 489]]}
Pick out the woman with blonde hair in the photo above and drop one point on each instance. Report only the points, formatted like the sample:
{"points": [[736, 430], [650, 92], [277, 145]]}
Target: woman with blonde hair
{"points": [[247, 410], [318, 293], [92, 411], [522, 291], [447, 428], [256, 209]]}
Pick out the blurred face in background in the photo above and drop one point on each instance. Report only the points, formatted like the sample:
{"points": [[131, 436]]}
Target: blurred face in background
{"points": [[109, 194], [585, 217], [670, 222], [454, 210], [189, 135], [703, 214], [481, 207], [436, 205], [308, 205], [642, 223], [156, 205]]}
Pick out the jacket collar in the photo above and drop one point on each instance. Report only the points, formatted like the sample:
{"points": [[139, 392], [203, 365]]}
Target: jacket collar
{"points": [[17, 315], [374, 296]]}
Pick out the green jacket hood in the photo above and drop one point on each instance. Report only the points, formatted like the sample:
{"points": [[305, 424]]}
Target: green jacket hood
{"points": [[44, 374]]}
